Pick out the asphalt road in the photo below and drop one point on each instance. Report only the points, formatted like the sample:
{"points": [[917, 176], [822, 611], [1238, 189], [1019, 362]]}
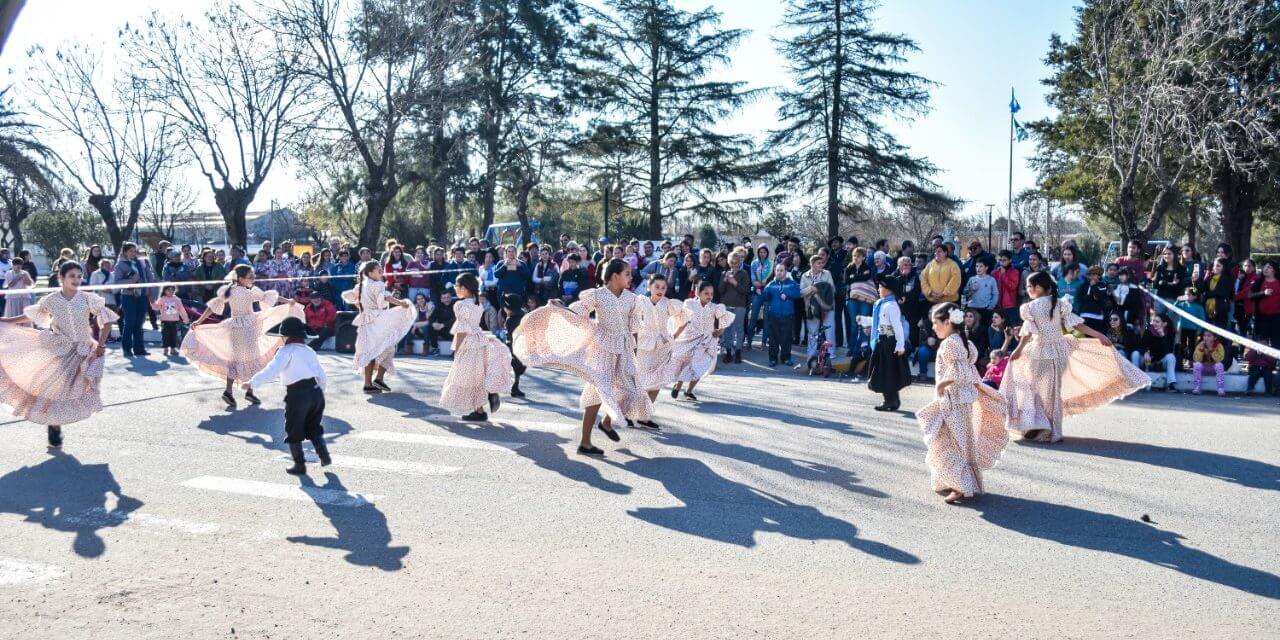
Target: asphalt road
{"points": [[781, 507]]}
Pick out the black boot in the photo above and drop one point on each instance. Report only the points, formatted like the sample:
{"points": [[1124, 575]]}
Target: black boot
{"points": [[737, 356], [495, 401], [322, 452], [299, 460], [55, 436], [515, 390]]}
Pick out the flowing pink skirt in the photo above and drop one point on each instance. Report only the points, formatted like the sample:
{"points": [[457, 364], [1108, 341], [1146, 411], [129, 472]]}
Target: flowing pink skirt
{"points": [[481, 365], [47, 378], [963, 438], [239, 347]]}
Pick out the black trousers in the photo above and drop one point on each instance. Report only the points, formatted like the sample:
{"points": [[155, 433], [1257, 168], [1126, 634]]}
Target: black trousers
{"points": [[779, 336], [169, 334], [303, 412]]}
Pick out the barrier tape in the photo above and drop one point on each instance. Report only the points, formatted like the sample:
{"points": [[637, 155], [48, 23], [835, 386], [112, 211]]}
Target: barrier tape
{"points": [[194, 283], [1222, 333]]}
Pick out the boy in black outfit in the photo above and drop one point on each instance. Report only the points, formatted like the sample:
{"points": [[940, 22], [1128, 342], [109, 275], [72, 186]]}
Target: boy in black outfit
{"points": [[299, 370], [513, 313]]}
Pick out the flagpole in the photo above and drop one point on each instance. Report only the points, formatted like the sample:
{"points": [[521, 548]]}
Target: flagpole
{"points": [[1009, 211]]}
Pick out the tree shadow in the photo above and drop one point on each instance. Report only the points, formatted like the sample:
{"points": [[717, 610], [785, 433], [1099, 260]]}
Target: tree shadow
{"points": [[545, 449], [264, 427], [147, 368], [799, 469], [64, 495], [1242, 471], [362, 530], [748, 410], [1121, 536], [720, 509]]}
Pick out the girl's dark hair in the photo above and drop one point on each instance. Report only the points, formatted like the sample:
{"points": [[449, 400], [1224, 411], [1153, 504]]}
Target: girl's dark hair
{"points": [[242, 271], [365, 268], [942, 311], [655, 277], [68, 266], [165, 291], [1045, 281], [471, 283], [613, 268], [705, 283]]}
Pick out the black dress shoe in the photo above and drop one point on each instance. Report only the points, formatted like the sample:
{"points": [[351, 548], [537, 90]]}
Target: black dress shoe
{"points": [[55, 436], [737, 356], [690, 397], [675, 393], [142, 353], [590, 451], [648, 424], [728, 358], [229, 399], [248, 395], [381, 385], [882, 407], [610, 432], [516, 392], [369, 388], [476, 416], [495, 401]]}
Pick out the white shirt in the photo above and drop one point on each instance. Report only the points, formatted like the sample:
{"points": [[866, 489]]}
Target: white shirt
{"points": [[292, 362]]}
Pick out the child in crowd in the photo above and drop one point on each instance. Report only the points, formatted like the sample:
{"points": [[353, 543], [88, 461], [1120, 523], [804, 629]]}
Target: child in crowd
{"points": [[926, 353], [1261, 367], [1189, 332], [1128, 299], [861, 356], [441, 319], [1092, 299], [995, 370], [1112, 276], [173, 314], [1209, 354], [1069, 283]]}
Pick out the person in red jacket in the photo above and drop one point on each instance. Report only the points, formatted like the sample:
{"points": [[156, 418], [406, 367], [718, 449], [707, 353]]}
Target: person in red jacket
{"points": [[1245, 305], [321, 316], [1009, 282]]}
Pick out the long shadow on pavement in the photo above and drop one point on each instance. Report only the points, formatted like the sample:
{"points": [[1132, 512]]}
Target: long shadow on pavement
{"points": [[362, 530], [64, 495], [543, 448], [1242, 471], [720, 509], [748, 410], [799, 469], [1121, 536], [145, 367], [264, 427], [408, 404]]}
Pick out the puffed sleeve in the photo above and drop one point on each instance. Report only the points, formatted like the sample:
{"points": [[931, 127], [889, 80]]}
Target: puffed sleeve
{"points": [[1069, 317], [98, 307], [349, 296], [218, 303], [40, 313], [724, 317], [637, 317], [689, 310], [949, 361], [586, 303], [265, 298], [1028, 327]]}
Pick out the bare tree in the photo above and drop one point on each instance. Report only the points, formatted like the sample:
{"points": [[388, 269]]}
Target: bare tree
{"points": [[119, 145], [233, 90], [1131, 50], [373, 64], [171, 206], [537, 150]]}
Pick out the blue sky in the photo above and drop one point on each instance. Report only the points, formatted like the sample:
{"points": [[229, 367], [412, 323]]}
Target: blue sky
{"points": [[975, 49]]}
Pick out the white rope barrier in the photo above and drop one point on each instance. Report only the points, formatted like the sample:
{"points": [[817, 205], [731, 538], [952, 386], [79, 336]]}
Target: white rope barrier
{"points": [[195, 283], [1219, 331]]}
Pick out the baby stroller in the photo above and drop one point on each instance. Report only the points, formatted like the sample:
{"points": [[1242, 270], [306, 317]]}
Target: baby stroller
{"points": [[820, 364]]}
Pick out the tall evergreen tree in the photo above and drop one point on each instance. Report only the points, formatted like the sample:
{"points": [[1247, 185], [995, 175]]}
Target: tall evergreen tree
{"points": [[848, 77], [651, 67]]}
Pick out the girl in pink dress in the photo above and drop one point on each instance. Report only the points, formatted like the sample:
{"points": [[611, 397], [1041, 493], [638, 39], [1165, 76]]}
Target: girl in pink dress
{"points": [[654, 366], [964, 425], [238, 347], [52, 376], [697, 341], [382, 323], [1052, 374], [481, 366]]}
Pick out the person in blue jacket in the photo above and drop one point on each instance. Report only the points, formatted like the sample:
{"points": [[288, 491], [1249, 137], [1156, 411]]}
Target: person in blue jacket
{"points": [[343, 267], [779, 298]]}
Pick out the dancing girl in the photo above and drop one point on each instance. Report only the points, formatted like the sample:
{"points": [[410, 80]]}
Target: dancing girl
{"points": [[481, 367], [654, 365], [381, 324], [697, 341]]}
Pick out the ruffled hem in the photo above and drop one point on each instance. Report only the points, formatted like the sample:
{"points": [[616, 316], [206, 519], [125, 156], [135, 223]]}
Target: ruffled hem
{"points": [[378, 335], [951, 466], [44, 385], [1093, 376], [481, 366], [237, 348], [695, 359]]}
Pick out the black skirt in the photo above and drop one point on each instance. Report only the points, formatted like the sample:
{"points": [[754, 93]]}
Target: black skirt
{"points": [[889, 371]]}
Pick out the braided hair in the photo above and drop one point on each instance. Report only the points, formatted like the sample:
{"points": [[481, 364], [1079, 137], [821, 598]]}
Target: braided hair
{"points": [[469, 282], [942, 312], [365, 268]]}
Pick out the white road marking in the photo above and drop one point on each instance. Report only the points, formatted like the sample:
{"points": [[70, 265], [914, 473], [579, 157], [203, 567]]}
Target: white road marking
{"points": [[438, 441], [14, 571], [99, 517], [317, 495], [375, 464]]}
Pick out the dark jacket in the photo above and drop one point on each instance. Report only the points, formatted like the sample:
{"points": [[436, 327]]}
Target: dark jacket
{"points": [[1093, 299], [515, 281], [1170, 283], [735, 294]]}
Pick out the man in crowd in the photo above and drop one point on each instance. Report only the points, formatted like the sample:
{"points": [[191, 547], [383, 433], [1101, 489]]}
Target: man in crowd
{"points": [[134, 302], [780, 309], [176, 270], [977, 254], [1018, 249], [514, 276], [321, 315], [341, 275]]}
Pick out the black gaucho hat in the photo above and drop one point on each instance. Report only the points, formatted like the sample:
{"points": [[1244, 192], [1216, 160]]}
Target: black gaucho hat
{"points": [[291, 327]]}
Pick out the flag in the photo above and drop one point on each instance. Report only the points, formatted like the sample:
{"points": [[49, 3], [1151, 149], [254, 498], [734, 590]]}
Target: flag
{"points": [[1014, 107], [1019, 133]]}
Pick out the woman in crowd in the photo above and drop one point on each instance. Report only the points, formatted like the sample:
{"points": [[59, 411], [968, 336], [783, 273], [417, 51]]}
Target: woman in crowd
{"points": [[481, 367], [860, 296], [761, 275], [889, 371], [544, 275], [237, 348], [697, 340], [17, 278], [1052, 374], [1192, 266], [379, 327], [92, 258], [1170, 276], [1219, 294], [1244, 304], [655, 367], [1069, 259], [964, 424], [53, 376], [1266, 299], [1122, 336], [1157, 349], [595, 339], [397, 263]]}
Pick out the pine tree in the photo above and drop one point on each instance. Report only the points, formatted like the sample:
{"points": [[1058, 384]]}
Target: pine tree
{"points": [[848, 77], [649, 66]]}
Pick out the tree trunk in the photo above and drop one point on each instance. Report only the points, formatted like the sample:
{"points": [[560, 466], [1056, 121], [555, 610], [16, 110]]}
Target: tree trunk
{"points": [[438, 191], [1238, 199], [233, 204], [522, 209], [489, 186], [834, 132], [15, 234], [1193, 223], [379, 191], [105, 206]]}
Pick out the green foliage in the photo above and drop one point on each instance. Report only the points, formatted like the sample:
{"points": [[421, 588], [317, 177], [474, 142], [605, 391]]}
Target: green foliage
{"points": [[71, 228], [707, 238]]}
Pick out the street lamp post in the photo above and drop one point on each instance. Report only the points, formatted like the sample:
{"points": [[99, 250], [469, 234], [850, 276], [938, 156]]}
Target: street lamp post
{"points": [[989, 207]]}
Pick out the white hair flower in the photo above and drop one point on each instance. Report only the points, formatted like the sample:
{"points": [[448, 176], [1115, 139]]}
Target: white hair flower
{"points": [[956, 316]]}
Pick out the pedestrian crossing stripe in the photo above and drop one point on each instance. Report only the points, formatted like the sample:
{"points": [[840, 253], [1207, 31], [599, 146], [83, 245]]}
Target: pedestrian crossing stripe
{"points": [[375, 464], [301, 493]]}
